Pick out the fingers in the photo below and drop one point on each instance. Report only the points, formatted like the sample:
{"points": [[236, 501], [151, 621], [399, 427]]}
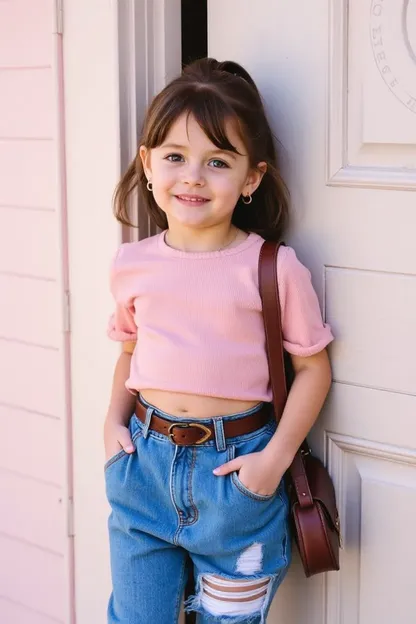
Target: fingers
{"points": [[231, 466], [124, 440]]}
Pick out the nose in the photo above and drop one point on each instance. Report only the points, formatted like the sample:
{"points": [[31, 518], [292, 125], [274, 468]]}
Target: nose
{"points": [[193, 175]]}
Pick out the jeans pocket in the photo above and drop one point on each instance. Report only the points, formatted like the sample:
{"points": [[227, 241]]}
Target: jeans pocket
{"points": [[135, 433], [114, 458], [245, 490], [239, 485]]}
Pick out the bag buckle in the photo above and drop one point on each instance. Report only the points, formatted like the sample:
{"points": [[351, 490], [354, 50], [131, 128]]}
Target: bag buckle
{"points": [[338, 528], [207, 432]]}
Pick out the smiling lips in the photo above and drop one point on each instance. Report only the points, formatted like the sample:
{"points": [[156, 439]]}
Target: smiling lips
{"points": [[192, 199]]}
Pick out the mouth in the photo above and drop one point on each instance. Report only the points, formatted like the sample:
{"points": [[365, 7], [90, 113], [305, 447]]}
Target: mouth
{"points": [[192, 199]]}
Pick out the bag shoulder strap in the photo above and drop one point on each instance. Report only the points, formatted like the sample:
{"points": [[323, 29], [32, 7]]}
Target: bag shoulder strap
{"points": [[269, 293]]}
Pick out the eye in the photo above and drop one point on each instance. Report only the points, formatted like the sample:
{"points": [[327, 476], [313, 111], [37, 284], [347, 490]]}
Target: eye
{"points": [[219, 164], [174, 158]]}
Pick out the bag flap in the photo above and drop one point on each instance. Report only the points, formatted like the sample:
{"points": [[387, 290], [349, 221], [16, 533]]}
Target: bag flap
{"points": [[322, 488]]}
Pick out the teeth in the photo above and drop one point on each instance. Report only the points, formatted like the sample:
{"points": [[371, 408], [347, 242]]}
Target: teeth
{"points": [[191, 199]]}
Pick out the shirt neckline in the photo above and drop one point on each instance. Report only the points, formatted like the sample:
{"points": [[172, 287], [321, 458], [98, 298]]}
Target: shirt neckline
{"points": [[193, 255]]}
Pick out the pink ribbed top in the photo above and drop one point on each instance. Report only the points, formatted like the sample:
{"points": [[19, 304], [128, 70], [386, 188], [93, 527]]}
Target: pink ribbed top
{"points": [[198, 321]]}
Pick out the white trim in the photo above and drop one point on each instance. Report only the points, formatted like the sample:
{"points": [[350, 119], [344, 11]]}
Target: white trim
{"points": [[166, 41], [58, 17], [337, 88], [92, 156], [377, 178], [64, 344], [150, 56]]}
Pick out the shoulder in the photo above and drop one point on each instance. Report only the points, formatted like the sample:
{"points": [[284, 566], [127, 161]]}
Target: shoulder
{"points": [[289, 268], [130, 253], [293, 277], [288, 263]]}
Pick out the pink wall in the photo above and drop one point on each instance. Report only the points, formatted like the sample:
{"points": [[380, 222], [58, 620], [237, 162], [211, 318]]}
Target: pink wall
{"points": [[33, 543]]}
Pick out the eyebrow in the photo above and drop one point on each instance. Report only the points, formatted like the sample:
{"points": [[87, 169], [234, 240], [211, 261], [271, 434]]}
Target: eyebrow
{"points": [[183, 147]]}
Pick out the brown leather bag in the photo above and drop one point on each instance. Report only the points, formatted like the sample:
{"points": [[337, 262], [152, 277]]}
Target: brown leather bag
{"points": [[312, 496]]}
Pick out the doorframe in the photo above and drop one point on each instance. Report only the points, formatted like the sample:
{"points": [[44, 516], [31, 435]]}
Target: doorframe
{"points": [[116, 56], [63, 288], [149, 57]]}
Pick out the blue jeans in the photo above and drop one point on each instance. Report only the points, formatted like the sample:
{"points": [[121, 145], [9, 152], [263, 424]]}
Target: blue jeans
{"points": [[168, 506]]}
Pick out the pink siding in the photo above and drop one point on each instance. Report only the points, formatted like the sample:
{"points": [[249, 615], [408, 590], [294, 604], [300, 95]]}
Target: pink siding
{"points": [[33, 542]]}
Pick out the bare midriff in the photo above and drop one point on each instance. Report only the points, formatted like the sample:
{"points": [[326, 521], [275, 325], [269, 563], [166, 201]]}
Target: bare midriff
{"points": [[194, 405]]}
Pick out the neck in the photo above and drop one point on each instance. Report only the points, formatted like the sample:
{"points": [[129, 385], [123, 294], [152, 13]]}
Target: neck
{"points": [[202, 240]]}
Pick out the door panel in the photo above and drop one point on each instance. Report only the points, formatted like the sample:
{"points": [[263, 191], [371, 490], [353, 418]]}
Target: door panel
{"points": [[372, 123]]}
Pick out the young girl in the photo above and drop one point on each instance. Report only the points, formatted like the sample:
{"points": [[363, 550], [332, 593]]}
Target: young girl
{"points": [[197, 470]]}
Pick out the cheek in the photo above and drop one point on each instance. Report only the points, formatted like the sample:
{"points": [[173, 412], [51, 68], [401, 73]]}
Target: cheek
{"points": [[163, 177], [227, 186], [161, 197]]}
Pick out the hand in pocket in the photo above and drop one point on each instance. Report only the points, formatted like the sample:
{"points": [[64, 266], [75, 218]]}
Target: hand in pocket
{"points": [[256, 471], [116, 438]]}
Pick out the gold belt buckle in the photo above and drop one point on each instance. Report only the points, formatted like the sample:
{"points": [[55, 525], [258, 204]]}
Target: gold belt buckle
{"points": [[185, 426]]}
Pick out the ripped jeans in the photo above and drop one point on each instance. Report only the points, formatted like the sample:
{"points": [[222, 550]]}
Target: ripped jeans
{"points": [[167, 505]]}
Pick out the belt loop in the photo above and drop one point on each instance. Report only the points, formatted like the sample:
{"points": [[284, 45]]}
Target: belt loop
{"points": [[146, 426], [219, 433]]}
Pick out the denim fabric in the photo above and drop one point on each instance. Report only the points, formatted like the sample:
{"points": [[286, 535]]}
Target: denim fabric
{"points": [[166, 505]]}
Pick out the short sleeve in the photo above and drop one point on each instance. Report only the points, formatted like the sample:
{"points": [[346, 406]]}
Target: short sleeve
{"points": [[304, 332], [121, 326]]}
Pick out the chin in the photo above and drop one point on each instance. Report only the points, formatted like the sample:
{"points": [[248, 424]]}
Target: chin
{"points": [[189, 219]]}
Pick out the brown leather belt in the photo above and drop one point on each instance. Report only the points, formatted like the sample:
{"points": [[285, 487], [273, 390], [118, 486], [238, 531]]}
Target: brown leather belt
{"points": [[189, 433]]}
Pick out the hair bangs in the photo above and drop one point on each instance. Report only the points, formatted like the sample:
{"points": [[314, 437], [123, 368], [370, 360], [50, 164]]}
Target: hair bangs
{"points": [[212, 115], [210, 111]]}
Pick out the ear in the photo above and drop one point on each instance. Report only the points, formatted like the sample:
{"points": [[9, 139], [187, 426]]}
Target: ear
{"points": [[254, 178], [144, 153]]}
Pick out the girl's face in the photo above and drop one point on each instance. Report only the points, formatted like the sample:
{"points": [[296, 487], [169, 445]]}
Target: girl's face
{"points": [[194, 183]]}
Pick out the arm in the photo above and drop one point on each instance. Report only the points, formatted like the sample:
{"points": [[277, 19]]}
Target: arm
{"points": [[305, 337], [306, 398], [262, 472], [121, 407]]}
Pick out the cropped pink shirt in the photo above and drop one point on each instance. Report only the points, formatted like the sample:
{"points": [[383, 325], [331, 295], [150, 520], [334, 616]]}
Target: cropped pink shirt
{"points": [[197, 317]]}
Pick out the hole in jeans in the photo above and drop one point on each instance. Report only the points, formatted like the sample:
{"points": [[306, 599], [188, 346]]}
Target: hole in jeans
{"points": [[243, 597]]}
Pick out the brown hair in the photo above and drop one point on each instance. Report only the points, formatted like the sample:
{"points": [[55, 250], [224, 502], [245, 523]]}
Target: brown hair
{"points": [[214, 93]]}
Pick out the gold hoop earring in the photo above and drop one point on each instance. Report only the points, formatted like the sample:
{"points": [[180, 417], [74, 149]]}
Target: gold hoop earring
{"points": [[149, 185], [250, 199]]}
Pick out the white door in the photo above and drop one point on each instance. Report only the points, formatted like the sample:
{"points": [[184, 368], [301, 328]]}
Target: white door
{"points": [[339, 83]]}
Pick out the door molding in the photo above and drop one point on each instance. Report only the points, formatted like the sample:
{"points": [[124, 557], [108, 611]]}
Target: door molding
{"points": [[351, 160], [149, 57]]}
